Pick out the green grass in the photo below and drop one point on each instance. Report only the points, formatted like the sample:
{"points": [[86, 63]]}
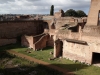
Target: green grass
{"points": [[8, 62], [77, 68]]}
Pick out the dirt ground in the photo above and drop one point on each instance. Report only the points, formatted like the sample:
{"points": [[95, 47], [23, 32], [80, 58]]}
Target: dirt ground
{"points": [[65, 72]]}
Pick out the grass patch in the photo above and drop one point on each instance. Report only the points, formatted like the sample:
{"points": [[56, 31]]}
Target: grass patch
{"points": [[11, 46], [77, 68], [12, 65]]}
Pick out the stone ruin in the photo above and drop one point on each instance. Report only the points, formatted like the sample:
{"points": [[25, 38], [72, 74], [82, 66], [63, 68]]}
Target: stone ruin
{"points": [[94, 13], [73, 38]]}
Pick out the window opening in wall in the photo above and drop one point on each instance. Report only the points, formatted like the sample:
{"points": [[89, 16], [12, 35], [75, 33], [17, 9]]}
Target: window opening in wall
{"points": [[96, 58], [74, 29]]}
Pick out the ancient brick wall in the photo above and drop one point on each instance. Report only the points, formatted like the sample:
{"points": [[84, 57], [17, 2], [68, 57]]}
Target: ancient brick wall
{"points": [[48, 17], [92, 29], [69, 35], [37, 37], [41, 43], [50, 41], [94, 13], [17, 28], [75, 51], [27, 41], [82, 52], [59, 14], [36, 42], [7, 41]]}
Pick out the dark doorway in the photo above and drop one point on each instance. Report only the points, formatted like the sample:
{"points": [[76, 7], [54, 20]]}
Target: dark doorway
{"points": [[60, 48], [99, 18], [53, 26], [95, 58], [46, 25]]}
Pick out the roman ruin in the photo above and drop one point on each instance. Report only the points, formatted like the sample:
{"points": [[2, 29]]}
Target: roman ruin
{"points": [[94, 13], [73, 38]]}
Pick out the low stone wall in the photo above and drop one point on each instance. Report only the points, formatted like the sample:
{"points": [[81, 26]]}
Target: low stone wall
{"points": [[37, 37], [75, 51], [27, 41], [33, 41], [50, 41], [48, 17], [41, 43], [7, 41]]}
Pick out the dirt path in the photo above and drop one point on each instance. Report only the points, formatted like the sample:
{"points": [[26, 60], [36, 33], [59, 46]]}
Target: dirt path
{"points": [[41, 62]]}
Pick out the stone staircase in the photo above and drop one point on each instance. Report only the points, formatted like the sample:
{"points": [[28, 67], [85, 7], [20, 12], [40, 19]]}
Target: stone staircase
{"points": [[41, 43]]}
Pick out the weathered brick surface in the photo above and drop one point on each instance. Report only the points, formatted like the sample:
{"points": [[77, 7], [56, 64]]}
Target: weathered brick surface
{"points": [[41, 43], [27, 41], [17, 28], [93, 13], [50, 41], [7, 41]]}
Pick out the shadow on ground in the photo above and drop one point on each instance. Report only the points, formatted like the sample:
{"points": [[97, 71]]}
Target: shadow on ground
{"points": [[11, 46], [16, 46], [12, 65]]}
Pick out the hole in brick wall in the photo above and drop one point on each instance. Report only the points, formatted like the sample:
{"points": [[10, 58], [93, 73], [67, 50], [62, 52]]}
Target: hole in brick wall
{"points": [[74, 29], [95, 58]]}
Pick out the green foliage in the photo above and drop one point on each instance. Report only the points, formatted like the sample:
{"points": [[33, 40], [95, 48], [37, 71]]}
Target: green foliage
{"points": [[73, 13], [81, 13], [52, 10]]}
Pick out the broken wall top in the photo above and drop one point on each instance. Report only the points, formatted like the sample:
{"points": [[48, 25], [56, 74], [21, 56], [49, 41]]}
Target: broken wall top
{"points": [[93, 16]]}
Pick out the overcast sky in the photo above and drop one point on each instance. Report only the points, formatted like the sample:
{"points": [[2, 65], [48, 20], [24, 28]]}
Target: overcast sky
{"points": [[41, 6]]}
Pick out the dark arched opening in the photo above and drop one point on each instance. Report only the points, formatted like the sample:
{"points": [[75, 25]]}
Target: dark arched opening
{"points": [[45, 25], [53, 26]]}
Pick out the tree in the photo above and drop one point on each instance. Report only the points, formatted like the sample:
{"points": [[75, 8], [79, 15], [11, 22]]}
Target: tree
{"points": [[71, 13], [81, 13], [52, 10]]}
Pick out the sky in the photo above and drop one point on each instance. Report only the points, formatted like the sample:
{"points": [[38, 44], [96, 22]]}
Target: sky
{"points": [[41, 6]]}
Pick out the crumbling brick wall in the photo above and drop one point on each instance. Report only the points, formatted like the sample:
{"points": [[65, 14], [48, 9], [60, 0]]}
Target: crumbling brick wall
{"points": [[27, 41], [50, 41], [7, 41], [41, 43], [10, 29]]}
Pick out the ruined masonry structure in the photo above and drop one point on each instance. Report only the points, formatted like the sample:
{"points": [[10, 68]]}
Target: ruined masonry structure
{"points": [[77, 39], [94, 13]]}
